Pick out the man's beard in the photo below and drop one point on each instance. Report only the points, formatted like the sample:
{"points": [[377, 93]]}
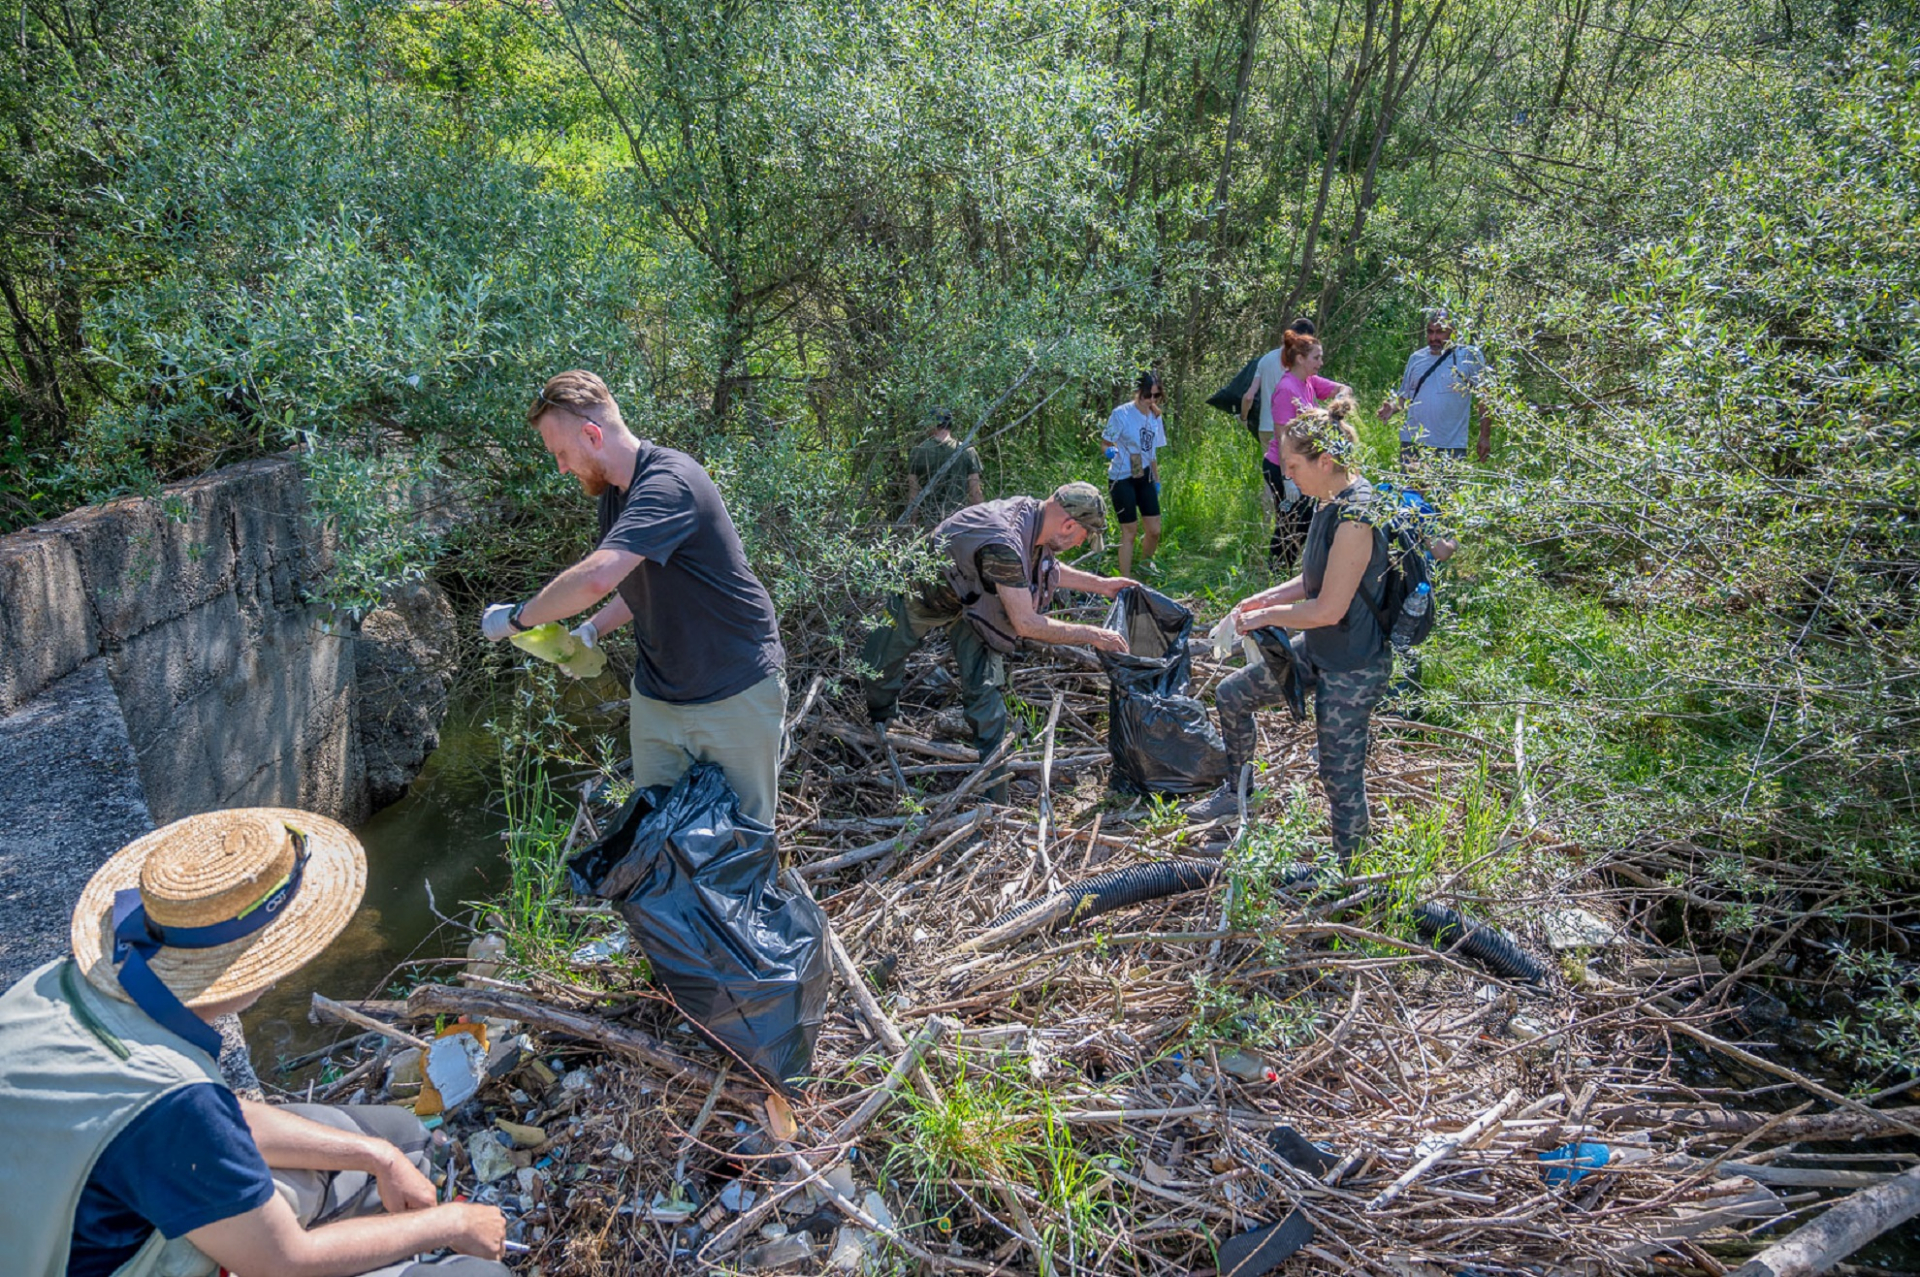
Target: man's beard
{"points": [[594, 479]]}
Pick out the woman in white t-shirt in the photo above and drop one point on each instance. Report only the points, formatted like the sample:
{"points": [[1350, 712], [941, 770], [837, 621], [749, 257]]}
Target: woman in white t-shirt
{"points": [[1135, 433]]}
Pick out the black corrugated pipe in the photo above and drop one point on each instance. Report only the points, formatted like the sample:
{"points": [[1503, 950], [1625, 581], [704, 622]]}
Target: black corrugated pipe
{"points": [[1446, 929], [1136, 884]]}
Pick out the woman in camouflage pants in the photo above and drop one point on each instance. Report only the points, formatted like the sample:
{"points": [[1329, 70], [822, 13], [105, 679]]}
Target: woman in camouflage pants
{"points": [[1339, 651]]}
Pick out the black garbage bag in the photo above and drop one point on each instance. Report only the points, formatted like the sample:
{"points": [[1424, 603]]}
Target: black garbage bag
{"points": [[1162, 739], [1287, 658], [1227, 398], [743, 957]]}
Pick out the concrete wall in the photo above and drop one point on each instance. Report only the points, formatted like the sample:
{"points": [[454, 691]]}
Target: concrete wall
{"points": [[234, 688]]}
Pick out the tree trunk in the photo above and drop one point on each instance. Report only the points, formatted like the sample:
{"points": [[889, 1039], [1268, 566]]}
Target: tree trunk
{"points": [[1361, 72]]}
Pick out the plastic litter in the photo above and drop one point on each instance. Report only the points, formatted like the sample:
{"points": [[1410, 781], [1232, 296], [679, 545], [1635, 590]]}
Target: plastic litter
{"points": [[849, 1250], [1571, 1163], [490, 1158], [1162, 739], [522, 1136], [1262, 1250], [743, 957], [1297, 1151], [554, 643], [600, 950], [456, 1066], [795, 1248], [1225, 635]]}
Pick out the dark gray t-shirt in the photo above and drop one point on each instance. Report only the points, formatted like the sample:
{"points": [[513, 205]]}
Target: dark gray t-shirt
{"points": [[1356, 642], [704, 623]]}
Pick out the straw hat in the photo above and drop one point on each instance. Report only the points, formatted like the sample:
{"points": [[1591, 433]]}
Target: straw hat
{"points": [[212, 867]]}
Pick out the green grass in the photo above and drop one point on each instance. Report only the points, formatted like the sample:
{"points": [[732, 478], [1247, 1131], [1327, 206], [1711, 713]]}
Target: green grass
{"points": [[993, 1123]]}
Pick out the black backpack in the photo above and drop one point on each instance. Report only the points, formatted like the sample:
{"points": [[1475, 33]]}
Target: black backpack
{"points": [[1408, 568]]}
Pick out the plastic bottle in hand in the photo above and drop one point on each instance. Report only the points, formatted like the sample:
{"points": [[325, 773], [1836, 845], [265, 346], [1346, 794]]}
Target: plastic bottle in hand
{"points": [[552, 643], [1411, 611]]}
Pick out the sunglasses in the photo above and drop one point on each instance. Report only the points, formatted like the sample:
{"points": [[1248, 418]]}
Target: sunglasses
{"points": [[540, 397]]}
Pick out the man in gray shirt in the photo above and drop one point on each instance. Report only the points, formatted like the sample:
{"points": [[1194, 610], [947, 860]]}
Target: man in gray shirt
{"points": [[1437, 391]]}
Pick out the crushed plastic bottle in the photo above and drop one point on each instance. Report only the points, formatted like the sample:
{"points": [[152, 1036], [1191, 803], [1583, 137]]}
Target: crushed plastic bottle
{"points": [[555, 644]]}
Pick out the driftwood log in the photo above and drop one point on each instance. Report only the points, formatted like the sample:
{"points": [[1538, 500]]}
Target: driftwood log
{"points": [[1816, 1246], [446, 999]]}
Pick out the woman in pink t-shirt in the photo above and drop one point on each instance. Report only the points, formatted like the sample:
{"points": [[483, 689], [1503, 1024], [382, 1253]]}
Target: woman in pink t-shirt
{"points": [[1301, 387]]}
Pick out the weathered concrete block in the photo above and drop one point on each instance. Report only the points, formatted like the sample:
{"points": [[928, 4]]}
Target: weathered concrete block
{"points": [[147, 560], [175, 661], [46, 626], [277, 563], [70, 796]]}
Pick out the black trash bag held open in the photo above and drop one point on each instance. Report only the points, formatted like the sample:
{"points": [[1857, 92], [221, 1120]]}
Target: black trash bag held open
{"points": [[1162, 739], [1286, 655], [743, 957]]}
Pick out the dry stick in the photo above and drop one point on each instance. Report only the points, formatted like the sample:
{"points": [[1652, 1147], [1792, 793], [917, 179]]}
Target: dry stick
{"points": [[945, 807], [1475, 1129], [327, 1009], [700, 1121], [872, 851], [843, 1135], [893, 763], [1814, 1126], [1046, 792], [431, 999], [1819, 1244], [968, 824], [787, 737], [912, 744]]}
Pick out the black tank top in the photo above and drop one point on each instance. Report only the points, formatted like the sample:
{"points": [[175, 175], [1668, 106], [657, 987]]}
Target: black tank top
{"points": [[1355, 643]]}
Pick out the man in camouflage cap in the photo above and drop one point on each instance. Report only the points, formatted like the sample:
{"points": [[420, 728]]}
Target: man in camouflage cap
{"points": [[998, 577]]}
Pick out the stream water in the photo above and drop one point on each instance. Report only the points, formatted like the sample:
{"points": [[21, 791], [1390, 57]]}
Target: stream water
{"points": [[444, 832]]}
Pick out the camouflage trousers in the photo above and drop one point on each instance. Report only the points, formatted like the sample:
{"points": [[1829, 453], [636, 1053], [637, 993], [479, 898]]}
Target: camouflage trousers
{"points": [[1343, 704], [983, 674]]}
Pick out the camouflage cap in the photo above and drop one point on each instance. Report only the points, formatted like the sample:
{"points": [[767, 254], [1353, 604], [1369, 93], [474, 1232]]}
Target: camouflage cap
{"points": [[1084, 505]]}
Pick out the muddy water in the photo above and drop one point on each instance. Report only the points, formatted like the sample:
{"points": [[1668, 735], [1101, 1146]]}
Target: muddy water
{"points": [[445, 832]]}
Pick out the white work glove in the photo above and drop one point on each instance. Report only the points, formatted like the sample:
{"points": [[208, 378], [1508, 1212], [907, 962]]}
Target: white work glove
{"points": [[496, 623], [1224, 637], [586, 632]]}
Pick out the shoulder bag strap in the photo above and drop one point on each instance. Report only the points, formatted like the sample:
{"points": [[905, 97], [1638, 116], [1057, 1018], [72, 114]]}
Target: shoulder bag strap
{"points": [[1432, 368]]}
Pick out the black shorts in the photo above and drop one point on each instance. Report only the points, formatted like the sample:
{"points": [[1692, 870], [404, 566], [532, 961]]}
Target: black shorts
{"points": [[1133, 498]]}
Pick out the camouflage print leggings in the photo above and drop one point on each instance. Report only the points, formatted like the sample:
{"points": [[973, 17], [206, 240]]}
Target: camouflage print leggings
{"points": [[1343, 702]]}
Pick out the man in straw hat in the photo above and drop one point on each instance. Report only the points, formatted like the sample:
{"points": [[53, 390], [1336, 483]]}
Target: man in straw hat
{"points": [[126, 1153], [709, 685], [998, 577]]}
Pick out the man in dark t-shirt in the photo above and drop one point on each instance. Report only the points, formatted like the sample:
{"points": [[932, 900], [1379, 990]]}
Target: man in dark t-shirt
{"points": [[708, 684], [948, 469]]}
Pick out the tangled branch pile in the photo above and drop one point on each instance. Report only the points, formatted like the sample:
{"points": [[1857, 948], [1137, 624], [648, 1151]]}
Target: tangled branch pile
{"points": [[1129, 1093]]}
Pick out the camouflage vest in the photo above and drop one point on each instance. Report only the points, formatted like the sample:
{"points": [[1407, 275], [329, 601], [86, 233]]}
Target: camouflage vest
{"points": [[1012, 521]]}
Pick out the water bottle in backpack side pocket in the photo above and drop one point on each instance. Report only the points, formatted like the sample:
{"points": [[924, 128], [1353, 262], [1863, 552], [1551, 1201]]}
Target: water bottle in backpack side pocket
{"points": [[1415, 607]]}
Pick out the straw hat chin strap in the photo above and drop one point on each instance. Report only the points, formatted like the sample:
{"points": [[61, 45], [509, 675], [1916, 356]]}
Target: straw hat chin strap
{"points": [[137, 939]]}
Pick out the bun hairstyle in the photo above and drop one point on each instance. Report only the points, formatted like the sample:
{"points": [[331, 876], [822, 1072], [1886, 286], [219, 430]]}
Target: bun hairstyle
{"points": [[1146, 383], [1325, 431], [1294, 344]]}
